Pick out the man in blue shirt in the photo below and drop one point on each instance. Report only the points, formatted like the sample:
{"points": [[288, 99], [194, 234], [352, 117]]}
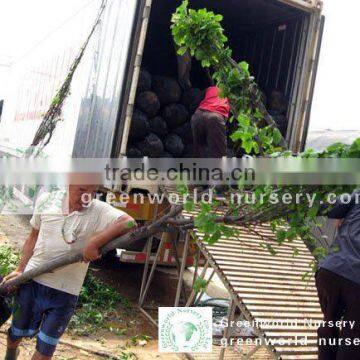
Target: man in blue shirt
{"points": [[338, 285]]}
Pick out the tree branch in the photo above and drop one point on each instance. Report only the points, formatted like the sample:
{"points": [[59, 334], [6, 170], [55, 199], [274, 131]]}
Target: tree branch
{"points": [[122, 242]]}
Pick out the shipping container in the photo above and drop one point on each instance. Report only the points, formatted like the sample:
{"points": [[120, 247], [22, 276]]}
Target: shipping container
{"points": [[280, 39]]}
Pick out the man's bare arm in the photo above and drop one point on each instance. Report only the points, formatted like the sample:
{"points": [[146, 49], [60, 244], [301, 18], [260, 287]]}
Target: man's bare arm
{"points": [[27, 252], [120, 227]]}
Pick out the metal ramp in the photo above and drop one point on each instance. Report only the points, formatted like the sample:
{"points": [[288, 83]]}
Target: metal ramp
{"points": [[269, 290]]}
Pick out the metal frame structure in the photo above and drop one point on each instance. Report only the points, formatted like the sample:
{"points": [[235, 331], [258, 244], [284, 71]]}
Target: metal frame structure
{"points": [[235, 302], [267, 289]]}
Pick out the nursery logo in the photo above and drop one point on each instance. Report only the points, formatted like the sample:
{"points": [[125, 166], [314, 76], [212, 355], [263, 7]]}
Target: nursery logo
{"points": [[185, 329]]}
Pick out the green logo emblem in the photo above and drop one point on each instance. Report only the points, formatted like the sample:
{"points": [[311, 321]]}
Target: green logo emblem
{"points": [[184, 329]]}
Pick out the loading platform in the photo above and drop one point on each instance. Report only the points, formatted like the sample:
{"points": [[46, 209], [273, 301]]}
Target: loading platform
{"points": [[275, 293]]}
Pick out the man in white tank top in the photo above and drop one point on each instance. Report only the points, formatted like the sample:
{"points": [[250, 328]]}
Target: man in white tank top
{"points": [[63, 221]]}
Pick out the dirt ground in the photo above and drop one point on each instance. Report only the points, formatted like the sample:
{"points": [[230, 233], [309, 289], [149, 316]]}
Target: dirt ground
{"points": [[101, 345]]}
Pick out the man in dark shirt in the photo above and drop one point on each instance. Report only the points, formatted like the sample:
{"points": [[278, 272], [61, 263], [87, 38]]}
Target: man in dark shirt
{"points": [[338, 284]]}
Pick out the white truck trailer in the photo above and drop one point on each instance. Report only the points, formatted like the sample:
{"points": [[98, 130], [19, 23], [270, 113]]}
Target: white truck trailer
{"points": [[280, 39]]}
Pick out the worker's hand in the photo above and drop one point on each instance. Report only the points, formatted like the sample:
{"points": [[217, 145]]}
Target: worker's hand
{"points": [[12, 275], [338, 222], [91, 252]]}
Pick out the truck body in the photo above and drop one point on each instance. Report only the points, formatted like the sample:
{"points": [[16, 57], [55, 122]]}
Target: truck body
{"points": [[280, 39]]}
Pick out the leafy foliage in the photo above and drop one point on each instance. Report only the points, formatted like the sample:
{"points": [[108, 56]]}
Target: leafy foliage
{"points": [[200, 33], [289, 220], [97, 303], [8, 260], [54, 114], [199, 285]]}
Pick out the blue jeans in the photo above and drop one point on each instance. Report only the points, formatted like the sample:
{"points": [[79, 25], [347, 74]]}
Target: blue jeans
{"points": [[43, 311]]}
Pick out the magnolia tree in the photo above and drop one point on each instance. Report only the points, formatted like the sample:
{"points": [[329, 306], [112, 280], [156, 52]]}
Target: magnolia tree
{"points": [[199, 32]]}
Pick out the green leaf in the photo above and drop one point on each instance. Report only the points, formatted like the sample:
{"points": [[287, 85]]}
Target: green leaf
{"points": [[182, 50], [277, 136], [199, 285], [280, 236], [237, 135], [354, 150], [270, 249], [214, 237], [312, 213], [243, 120], [248, 146], [189, 206]]}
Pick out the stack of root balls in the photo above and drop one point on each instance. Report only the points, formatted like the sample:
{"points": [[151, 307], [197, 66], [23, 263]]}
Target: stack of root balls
{"points": [[160, 126]]}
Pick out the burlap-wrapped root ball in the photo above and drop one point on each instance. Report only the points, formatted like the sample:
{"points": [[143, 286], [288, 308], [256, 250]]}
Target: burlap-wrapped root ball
{"points": [[174, 145], [277, 102], [148, 103], [144, 82], [175, 115], [133, 152], [167, 89], [140, 126], [281, 121], [159, 127], [151, 146], [192, 98], [166, 155], [188, 151], [185, 132]]}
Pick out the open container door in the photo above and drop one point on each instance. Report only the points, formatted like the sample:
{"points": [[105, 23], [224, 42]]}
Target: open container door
{"points": [[276, 38], [105, 91], [299, 127], [312, 85]]}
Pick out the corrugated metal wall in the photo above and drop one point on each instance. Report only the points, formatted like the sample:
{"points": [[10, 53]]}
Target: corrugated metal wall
{"points": [[100, 106], [272, 52]]}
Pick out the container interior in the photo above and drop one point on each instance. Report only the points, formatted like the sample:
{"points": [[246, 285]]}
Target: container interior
{"points": [[265, 33]]}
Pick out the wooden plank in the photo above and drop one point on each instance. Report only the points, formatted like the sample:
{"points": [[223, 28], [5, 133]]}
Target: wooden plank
{"points": [[284, 303], [260, 259], [257, 290], [276, 314], [234, 258], [310, 334], [236, 272], [300, 357], [258, 270], [231, 354], [257, 264], [256, 248], [271, 296], [280, 281], [277, 286], [283, 328], [272, 287], [266, 269], [244, 238], [296, 342], [259, 251], [290, 309], [298, 349], [252, 242], [245, 233]]}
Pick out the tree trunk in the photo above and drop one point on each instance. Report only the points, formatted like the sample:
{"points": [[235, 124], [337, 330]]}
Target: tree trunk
{"points": [[122, 242]]}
